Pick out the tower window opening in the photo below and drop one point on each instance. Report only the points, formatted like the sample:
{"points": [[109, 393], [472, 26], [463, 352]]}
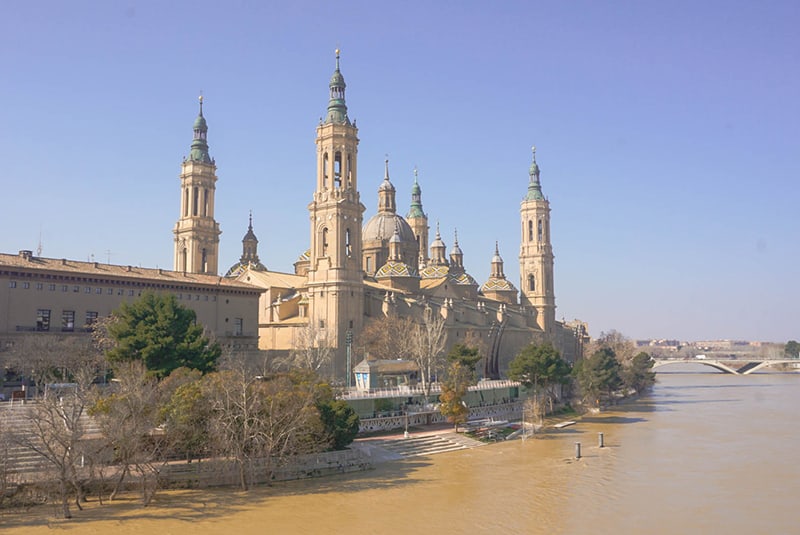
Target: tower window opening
{"points": [[184, 257], [349, 171], [205, 202], [204, 261], [195, 200], [368, 264], [348, 247], [530, 230], [337, 169], [541, 231], [531, 283], [186, 203], [324, 244], [325, 171]]}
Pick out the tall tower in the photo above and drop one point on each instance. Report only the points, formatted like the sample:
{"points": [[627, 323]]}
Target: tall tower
{"points": [[536, 253], [419, 222], [196, 232], [335, 277]]}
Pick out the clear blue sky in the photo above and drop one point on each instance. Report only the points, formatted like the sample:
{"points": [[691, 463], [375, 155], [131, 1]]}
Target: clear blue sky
{"points": [[668, 134]]}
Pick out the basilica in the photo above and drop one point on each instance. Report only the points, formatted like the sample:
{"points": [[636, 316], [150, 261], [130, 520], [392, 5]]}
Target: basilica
{"points": [[356, 270]]}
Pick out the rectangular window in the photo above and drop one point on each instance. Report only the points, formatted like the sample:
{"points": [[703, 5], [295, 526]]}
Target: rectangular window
{"points": [[76, 289], [42, 320], [98, 291], [238, 325], [87, 290], [52, 288], [64, 288], [130, 293], [12, 284], [91, 317], [39, 286], [120, 292], [110, 291], [321, 324], [68, 321], [26, 285]]}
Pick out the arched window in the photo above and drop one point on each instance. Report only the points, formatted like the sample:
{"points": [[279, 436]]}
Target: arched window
{"points": [[531, 283], [337, 170], [324, 244], [325, 171], [205, 202], [541, 231], [530, 230], [349, 171], [195, 200], [204, 262], [348, 248], [186, 203]]}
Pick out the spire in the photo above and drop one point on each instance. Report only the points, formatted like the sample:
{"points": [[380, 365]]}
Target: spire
{"points": [[199, 151], [534, 186], [386, 193], [497, 264], [416, 199], [456, 255], [337, 109], [438, 249]]}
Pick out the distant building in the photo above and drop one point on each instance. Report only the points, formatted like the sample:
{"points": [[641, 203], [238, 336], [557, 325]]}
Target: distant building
{"points": [[47, 296]]}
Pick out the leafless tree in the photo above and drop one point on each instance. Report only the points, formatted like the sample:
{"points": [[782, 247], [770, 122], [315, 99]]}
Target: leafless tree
{"points": [[127, 416], [257, 420], [427, 348], [387, 337], [55, 423], [312, 351]]}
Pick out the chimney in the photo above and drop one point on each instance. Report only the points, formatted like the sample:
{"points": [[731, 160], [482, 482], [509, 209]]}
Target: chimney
{"points": [[26, 255]]}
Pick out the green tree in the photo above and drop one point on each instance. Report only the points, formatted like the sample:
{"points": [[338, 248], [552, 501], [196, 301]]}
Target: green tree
{"points": [[599, 373], [468, 357], [185, 414], [540, 366], [792, 349], [340, 421], [459, 378], [165, 336], [638, 374]]}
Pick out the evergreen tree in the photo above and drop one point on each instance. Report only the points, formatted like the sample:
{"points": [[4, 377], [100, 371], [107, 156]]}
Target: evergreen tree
{"points": [[540, 366], [599, 373], [165, 336], [637, 374]]}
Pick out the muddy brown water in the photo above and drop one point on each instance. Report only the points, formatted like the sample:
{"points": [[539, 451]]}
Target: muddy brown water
{"points": [[704, 453]]}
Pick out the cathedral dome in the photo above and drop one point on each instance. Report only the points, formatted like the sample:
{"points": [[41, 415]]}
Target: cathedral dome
{"points": [[381, 226]]}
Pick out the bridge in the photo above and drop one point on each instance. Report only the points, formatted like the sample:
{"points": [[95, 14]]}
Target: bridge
{"points": [[734, 366]]}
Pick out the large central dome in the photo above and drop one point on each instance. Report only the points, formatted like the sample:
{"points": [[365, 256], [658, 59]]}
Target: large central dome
{"points": [[382, 225]]}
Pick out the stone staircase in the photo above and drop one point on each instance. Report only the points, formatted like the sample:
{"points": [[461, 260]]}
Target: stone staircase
{"points": [[15, 422], [416, 446]]}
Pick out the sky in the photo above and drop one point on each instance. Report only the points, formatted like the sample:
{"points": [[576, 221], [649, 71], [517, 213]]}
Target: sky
{"points": [[667, 134]]}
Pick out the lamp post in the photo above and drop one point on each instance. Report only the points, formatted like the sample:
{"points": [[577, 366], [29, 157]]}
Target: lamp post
{"points": [[348, 340]]}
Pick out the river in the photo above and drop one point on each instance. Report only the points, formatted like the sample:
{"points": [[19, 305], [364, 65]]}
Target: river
{"points": [[702, 453]]}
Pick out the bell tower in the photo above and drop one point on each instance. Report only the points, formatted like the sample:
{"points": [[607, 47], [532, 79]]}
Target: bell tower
{"points": [[196, 232], [418, 221], [536, 253], [335, 277]]}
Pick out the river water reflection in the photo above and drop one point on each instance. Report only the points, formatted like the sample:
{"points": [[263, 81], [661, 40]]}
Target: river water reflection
{"points": [[704, 453]]}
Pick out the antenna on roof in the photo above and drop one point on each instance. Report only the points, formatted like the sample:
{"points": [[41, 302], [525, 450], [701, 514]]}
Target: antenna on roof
{"points": [[39, 247]]}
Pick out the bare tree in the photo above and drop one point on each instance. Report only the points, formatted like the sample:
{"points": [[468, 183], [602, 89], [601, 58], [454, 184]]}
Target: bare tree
{"points": [[257, 420], [388, 337], [312, 351], [128, 416], [55, 424], [427, 348]]}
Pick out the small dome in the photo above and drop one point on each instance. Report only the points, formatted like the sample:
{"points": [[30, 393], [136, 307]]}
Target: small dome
{"points": [[386, 185], [463, 279], [396, 269], [337, 80], [382, 226], [200, 123], [435, 272], [498, 285]]}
